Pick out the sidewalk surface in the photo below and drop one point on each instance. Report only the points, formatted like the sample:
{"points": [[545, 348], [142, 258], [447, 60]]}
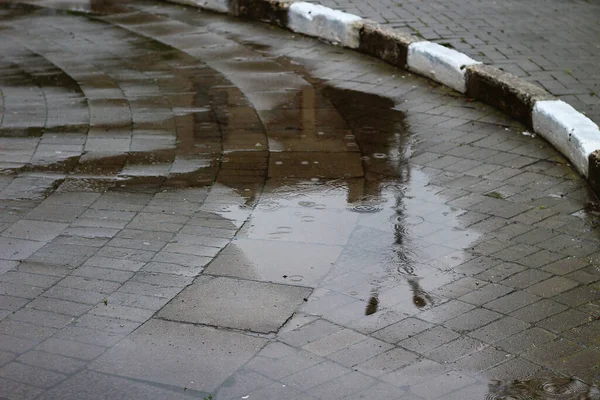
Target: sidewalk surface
{"points": [[193, 206], [553, 43]]}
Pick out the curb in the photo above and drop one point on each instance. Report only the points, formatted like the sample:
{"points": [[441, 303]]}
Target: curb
{"points": [[569, 131]]}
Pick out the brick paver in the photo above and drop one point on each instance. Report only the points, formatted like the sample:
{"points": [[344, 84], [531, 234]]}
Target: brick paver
{"points": [[554, 44], [365, 232]]}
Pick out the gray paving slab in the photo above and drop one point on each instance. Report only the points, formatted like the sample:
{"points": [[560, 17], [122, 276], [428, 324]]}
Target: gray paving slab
{"points": [[234, 303], [352, 231], [199, 365]]}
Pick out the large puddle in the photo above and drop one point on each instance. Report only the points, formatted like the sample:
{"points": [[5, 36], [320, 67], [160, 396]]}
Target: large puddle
{"points": [[318, 176]]}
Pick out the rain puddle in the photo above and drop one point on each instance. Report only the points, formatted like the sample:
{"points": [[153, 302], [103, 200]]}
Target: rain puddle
{"points": [[315, 176]]}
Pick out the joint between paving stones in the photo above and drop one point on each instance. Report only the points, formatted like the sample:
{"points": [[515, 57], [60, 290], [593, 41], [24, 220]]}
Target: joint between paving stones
{"points": [[569, 131]]}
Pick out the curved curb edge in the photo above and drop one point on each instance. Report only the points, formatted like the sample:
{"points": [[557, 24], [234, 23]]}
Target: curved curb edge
{"points": [[569, 131]]}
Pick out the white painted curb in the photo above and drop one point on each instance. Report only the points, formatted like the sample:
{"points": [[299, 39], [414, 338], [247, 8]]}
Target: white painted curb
{"points": [[220, 6], [440, 63], [571, 132], [323, 22]]}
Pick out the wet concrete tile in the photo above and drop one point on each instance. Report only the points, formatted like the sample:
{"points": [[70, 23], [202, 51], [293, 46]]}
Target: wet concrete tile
{"points": [[34, 230], [19, 390], [18, 249], [264, 260], [87, 385], [441, 385], [328, 227], [233, 303], [142, 355], [27, 374]]}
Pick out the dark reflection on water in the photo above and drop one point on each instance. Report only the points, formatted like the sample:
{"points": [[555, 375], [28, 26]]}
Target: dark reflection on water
{"points": [[382, 137], [542, 389]]}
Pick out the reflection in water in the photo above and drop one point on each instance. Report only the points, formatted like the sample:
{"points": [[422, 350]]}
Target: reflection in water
{"points": [[380, 132], [372, 305], [420, 297], [542, 389]]}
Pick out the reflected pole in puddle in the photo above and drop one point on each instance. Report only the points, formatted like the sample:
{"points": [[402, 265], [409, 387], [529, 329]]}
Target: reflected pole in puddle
{"points": [[380, 132]]}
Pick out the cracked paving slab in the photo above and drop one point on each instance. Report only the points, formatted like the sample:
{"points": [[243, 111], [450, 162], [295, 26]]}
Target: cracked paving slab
{"points": [[194, 205]]}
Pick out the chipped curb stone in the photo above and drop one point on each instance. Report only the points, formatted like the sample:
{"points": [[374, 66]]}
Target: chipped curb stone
{"points": [[512, 95], [571, 132], [385, 44]]}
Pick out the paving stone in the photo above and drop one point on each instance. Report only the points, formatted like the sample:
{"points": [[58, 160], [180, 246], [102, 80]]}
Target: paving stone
{"points": [[35, 230], [334, 342], [429, 340], [360, 352], [486, 294], [500, 272], [104, 262], [96, 285], [583, 364], [19, 390], [457, 236], [288, 363], [52, 362], [472, 320], [512, 301], [42, 318], [525, 340], [564, 320], [481, 360], [499, 330], [579, 296], [308, 332], [268, 261], [88, 336], [538, 311], [513, 367], [27, 374], [552, 286], [315, 375], [343, 386], [218, 357], [445, 311], [401, 330], [550, 351], [233, 303], [10, 303], [18, 249], [23, 278], [71, 349], [241, 383], [16, 345], [441, 385], [414, 373], [87, 385]]}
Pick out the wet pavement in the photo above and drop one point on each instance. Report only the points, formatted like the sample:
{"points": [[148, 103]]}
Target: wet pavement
{"points": [[198, 206]]}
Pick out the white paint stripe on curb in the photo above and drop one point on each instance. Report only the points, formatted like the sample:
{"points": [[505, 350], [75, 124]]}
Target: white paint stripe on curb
{"points": [[220, 6], [571, 132], [440, 63], [325, 23]]}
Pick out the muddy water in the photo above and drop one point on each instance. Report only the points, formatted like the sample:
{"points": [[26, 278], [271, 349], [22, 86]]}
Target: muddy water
{"points": [[316, 175]]}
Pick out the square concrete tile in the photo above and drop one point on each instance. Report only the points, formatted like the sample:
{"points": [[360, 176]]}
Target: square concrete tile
{"points": [[18, 249], [88, 385], [172, 353], [235, 303], [274, 261], [35, 230], [302, 224]]}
